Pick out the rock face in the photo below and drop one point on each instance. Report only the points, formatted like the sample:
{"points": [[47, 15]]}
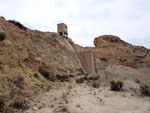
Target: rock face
{"points": [[108, 40], [112, 50], [34, 49], [24, 52]]}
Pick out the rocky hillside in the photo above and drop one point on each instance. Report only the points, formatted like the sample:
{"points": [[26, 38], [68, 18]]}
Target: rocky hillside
{"points": [[34, 50], [25, 55], [112, 50], [33, 62]]}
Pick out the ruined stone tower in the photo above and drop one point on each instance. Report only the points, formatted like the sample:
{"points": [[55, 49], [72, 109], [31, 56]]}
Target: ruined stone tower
{"points": [[62, 29]]}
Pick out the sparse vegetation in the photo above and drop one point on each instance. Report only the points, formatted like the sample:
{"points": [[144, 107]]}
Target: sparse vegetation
{"points": [[137, 81], [69, 86], [2, 103], [80, 80], [116, 86], [2, 36], [145, 90], [103, 59], [78, 106], [62, 78], [36, 75], [64, 95], [2, 17], [48, 87], [8, 110], [64, 109], [20, 104], [20, 82], [18, 24], [47, 75], [95, 85]]}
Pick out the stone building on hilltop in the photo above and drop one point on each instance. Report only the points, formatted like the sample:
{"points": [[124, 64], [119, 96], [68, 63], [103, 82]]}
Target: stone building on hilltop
{"points": [[62, 29]]}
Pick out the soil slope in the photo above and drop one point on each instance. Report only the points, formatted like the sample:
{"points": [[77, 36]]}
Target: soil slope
{"points": [[24, 52]]}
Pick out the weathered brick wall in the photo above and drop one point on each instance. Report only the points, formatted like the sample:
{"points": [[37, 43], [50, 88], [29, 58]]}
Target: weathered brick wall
{"points": [[87, 60], [86, 56]]}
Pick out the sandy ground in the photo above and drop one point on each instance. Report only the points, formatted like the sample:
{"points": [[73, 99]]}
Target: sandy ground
{"points": [[81, 98]]}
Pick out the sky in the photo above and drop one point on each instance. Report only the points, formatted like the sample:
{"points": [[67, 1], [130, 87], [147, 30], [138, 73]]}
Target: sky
{"points": [[86, 19]]}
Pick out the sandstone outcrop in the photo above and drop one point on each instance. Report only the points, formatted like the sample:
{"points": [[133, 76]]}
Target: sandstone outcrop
{"points": [[112, 50]]}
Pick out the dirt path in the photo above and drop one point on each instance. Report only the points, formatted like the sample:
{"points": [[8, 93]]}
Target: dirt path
{"points": [[80, 98]]}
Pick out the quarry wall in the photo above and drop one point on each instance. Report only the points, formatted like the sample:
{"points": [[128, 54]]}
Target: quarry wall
{"points": [[87, 58]]}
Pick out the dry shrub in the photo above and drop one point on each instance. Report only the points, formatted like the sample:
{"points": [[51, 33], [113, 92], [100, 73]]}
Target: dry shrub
{"points": [[2, 36], [69, 86], [2, 104], [10, 110], [65, 97], [116, 86], [64, 109], [48, 87], [95, 85], [145, 90], [18, 24], [20, 104], [20, 82], [80, 80], [62, 78], [47, 75], [131, 64], [78, 106]]}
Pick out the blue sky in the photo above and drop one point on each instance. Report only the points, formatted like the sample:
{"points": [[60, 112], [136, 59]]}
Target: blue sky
{"points": [[86, 19]]}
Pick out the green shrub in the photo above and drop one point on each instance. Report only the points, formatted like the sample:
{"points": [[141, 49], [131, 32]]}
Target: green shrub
{"points": [[145, 90], [1, 104], [2, 36], [116, 86]]}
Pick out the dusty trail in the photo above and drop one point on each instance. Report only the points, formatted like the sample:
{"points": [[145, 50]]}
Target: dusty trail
{"points": [[80, 98]]}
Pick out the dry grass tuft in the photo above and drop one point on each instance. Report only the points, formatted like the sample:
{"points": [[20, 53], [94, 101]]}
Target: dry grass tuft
{"points": [[64, 109]]}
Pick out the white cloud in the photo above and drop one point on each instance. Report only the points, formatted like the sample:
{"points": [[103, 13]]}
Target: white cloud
{"points": [[86, 19]]}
